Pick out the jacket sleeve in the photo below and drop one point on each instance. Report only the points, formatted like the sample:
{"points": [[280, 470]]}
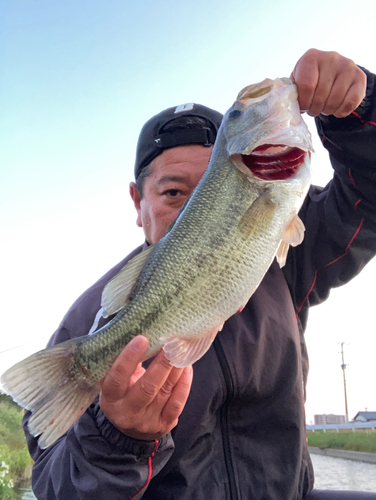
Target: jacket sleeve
{"points": [[340, 219], [95, 460]]}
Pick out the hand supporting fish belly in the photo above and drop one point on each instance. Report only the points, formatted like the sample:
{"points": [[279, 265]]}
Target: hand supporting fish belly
{"points": [[144, 404], [180, 291]]}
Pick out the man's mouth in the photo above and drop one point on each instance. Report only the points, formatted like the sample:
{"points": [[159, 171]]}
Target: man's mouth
{"points": [[272, 162]]}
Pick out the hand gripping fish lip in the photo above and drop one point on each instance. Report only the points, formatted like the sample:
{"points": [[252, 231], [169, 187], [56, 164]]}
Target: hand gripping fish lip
{"points": [[274, 161]]}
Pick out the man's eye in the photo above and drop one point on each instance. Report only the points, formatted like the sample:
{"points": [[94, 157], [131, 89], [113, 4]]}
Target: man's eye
{"points": [[172, 192]]}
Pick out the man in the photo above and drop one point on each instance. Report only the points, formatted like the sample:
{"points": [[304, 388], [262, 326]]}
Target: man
{"points": [[237, 430]]}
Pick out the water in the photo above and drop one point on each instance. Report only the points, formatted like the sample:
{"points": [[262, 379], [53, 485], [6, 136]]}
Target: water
{"points": [[24, 492], [331, 474], [336, 473]]}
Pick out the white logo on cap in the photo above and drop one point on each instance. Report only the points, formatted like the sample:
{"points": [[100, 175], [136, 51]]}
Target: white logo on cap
{"points": [[184, 107]]}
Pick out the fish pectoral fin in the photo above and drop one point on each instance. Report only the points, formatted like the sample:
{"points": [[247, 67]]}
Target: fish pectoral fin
{"points": [[259, 215], [116, 293], [293, 236], [182, 352], [294, 233]]}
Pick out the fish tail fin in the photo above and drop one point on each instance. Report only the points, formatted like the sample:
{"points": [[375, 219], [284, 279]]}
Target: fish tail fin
{"points": [[46, 383]]}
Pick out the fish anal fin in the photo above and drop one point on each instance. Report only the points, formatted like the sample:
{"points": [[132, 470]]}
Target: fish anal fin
{"points": [[116, 293], [182, 352], [293, 235]]}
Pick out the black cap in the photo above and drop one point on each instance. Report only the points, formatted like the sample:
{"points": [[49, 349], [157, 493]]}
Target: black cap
{"points": [[152, 142]]}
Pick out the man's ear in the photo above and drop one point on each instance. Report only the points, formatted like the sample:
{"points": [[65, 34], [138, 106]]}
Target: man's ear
{"points": [[135, 195]]}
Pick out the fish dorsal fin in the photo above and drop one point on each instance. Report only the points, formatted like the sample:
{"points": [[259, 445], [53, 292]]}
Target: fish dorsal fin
{"points": [[182, 352], [293, 236], [116, 293], [172, 224]]}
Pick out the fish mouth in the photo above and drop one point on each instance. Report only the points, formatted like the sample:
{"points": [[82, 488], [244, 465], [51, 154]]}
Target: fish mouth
{"points": [[271, 162]]}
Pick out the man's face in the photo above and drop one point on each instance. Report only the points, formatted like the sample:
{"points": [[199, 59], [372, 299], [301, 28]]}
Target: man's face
{"points": [[175, 174]]}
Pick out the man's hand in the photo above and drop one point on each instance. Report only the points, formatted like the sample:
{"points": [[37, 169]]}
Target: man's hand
{"points": [[144, 404], [328, 83]]}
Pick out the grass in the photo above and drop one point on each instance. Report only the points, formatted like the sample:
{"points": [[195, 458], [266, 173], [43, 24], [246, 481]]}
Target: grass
{"points": [[360, 440], [14, 455]]}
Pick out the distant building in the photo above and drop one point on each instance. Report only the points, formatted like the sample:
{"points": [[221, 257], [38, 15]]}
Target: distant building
{"points": [[329, 419], [365, 416]]}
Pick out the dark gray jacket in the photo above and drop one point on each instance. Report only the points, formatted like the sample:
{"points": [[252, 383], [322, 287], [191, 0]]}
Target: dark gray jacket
{"points": [[242, 433]]}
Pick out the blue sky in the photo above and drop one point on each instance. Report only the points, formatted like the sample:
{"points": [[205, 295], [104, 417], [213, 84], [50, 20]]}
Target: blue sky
{"points": [[78, 79]]}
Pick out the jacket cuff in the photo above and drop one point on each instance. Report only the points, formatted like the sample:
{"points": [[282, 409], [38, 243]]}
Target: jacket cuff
{"points": [[119, 440], [368, 105]]}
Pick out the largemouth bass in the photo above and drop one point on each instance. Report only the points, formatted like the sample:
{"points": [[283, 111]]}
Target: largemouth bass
{"points": [[180, 291]]}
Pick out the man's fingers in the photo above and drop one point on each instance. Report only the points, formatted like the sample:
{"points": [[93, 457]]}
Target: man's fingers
{"points": [[179, 396], [306, 76], [165, 391], [328, 83], [118, 378], [336, 95], [315, 74], [133, 399], [326, 78], [345, 95], [353, 98], [143, 392]]}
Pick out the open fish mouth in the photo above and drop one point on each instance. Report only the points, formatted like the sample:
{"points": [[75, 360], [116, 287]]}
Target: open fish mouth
{"points": [[272, 162]]}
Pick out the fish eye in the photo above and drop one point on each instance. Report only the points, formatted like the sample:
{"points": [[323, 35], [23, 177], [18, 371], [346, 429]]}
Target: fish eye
{"points": [[234, 114]]}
